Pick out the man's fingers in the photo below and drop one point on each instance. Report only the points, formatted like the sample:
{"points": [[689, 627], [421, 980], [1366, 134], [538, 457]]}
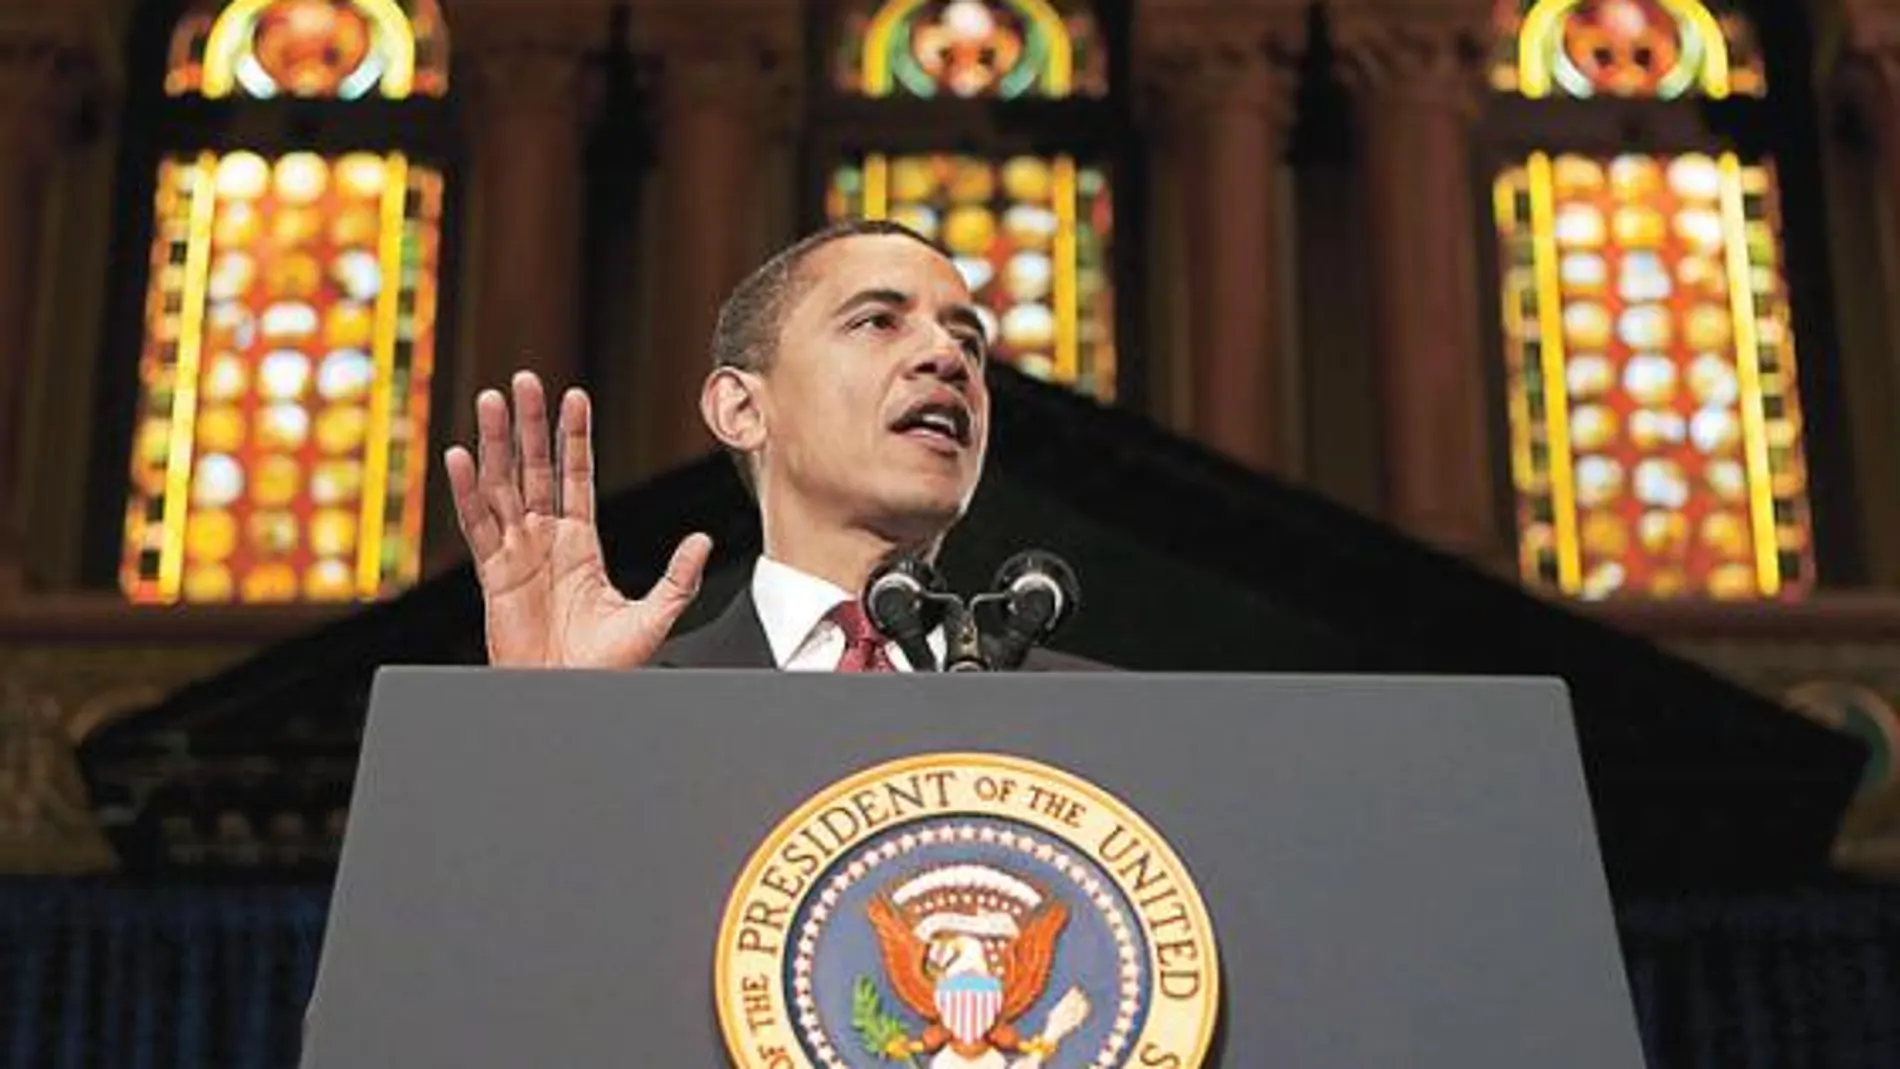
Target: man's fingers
{"points": [[531, 433], [479, 528], [496, 476], [676, 589], [577, 456]]}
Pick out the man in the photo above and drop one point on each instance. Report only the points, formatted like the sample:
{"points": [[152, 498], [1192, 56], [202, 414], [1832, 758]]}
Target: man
{"points": [[847, 380]]}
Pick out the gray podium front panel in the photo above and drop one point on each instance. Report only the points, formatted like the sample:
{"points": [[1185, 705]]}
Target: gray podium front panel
{"points": [[1400, 871]]}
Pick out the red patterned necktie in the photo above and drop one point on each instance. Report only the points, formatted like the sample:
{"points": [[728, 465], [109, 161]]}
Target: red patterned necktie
{"points": [[863, 646]]}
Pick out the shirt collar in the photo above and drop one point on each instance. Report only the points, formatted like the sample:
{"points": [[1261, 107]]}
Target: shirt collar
{"points": [[791, 604]]}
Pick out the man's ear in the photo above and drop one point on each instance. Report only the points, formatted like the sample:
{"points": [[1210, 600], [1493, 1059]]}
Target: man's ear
{"points": [[729, 403]]}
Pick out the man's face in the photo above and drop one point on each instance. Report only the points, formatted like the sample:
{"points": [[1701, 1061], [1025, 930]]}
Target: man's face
{"points": [[876, 411]]}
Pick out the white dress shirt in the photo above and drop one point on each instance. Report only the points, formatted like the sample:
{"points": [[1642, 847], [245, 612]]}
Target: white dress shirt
{"points": [[793, 607]]}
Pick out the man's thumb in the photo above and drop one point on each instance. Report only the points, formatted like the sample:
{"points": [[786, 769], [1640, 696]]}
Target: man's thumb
{"points": [[676, 588]]}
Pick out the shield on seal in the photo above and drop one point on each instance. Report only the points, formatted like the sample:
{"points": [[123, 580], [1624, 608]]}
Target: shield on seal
{"points": [[968, 1005]]}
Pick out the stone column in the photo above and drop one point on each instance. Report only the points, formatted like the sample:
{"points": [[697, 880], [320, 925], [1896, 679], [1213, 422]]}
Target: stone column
{"points": [[36, 97], [1863, 61], [528, 106], [723, 81], [1866, 79], [1858, 79], [1221, 78], [1417, 72]]}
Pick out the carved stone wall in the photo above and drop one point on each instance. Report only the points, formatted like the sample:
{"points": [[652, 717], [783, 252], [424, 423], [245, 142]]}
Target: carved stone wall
{"points": [[1836, 662], [52, 695]]}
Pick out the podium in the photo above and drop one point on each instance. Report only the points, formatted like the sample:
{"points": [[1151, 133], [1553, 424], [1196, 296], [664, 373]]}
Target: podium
{"points": [[704, 869]]}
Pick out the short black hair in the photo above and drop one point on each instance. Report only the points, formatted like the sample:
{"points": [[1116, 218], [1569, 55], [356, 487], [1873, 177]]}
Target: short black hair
{"points": [[746, 334]]}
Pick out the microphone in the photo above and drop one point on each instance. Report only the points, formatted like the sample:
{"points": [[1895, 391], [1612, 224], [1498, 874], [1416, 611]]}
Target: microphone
{"points": [[1039, 593], [903, 600]]}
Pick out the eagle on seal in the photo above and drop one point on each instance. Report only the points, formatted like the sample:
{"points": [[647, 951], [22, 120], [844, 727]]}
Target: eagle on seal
{"points": [[968, 948]]}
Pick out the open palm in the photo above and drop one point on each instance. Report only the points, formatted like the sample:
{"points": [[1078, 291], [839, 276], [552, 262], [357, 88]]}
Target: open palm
{"points": [[546, 598]]}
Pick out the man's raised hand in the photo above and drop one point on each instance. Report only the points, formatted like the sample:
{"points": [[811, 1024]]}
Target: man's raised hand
{"points": [[546, 598]]}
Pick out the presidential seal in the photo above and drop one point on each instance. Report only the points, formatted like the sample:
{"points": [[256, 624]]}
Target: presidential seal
{"points": [[965, 911]]}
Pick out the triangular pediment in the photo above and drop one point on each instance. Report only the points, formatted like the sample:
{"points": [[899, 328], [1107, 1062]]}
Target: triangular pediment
{"points": [[1187, 562]]}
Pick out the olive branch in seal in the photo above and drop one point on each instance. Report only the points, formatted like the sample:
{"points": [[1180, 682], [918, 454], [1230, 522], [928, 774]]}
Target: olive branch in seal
{"points": [[881, 1034]]}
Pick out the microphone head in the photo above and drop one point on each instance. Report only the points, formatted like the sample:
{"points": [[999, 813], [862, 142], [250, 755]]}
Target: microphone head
{"points": [[1042, 591], [896, 596]]}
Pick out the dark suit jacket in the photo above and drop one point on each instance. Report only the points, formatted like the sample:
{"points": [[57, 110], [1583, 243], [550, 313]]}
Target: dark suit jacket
{"points": [[736, 639]]}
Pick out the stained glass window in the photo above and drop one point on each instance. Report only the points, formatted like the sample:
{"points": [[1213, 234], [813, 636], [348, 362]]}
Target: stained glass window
{"points": [[1656, 49], [1655, 424], [970, 48], [331, 49], [281, 442], [1030, 235], [280, 447]]}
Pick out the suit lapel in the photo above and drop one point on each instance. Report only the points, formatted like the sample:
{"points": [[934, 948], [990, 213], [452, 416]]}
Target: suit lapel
{"points": [[734, 639]]}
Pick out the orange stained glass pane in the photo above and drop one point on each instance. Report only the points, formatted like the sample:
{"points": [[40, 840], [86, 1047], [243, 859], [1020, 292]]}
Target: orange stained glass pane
{"points": [[970, 48], [323, 49], [1655, 420], [1655, 49]]}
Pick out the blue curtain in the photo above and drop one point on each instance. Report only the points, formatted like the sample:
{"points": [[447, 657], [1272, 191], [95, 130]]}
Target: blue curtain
{"points": [[94, 976], [1794, 981], [102, 977]]}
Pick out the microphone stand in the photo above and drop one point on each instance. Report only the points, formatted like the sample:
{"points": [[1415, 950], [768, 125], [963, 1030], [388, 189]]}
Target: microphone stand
{"points": [[966, 648], [963, 643], [917, 651], [921, 603]]}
